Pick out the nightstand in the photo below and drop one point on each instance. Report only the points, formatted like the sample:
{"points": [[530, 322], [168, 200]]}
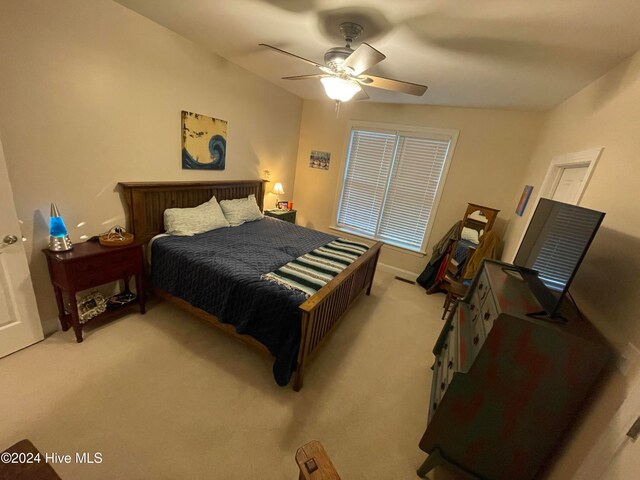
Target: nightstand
{"points": [[286, 215], [88, 265]]}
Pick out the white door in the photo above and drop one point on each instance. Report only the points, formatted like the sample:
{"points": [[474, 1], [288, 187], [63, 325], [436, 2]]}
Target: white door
{"points": [[569, 184], [19, 320]]}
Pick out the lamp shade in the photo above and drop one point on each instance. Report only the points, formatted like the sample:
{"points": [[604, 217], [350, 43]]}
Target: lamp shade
{"points": [[277, 189], [340, 89]]}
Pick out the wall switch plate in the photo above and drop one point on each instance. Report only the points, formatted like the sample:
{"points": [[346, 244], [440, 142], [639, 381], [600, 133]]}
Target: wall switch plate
{"points": [[627, 358]]}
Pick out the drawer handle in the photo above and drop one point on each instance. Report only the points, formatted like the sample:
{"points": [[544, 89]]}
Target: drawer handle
{"points": [[476, 339], [487, 315], [451, 327], [450, 364], [445, 345], [472, 307], [480, 286], [435, 405], [475, 317], [442, 385]]}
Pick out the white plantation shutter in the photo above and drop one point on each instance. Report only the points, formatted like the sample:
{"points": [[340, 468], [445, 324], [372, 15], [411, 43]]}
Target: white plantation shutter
{"points": [[571, 230], [390, 185], [412, 190], [365, 181]]}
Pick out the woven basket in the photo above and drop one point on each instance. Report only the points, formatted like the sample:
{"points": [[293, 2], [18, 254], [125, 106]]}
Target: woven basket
{"points": [[120, 240]]}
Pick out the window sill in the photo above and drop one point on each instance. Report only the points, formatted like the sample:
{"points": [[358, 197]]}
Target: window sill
{"points": [[404, 250]]}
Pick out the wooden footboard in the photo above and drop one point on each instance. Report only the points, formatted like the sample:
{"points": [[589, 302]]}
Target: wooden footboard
{"points": [[146, 203], [322, 311]]}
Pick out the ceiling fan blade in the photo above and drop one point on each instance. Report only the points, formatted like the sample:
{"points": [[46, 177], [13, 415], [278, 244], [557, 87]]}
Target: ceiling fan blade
{"points": [[306, 77], [391, 84], [310, 62], [363, 58]]}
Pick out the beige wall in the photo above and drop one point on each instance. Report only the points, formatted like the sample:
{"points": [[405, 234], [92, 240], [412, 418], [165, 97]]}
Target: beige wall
{"points": [[605, 114], [493, 149], [91, 94]]}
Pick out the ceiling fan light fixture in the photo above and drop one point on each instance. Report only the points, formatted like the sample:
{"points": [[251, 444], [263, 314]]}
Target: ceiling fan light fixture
{"points": [[340, 89]]}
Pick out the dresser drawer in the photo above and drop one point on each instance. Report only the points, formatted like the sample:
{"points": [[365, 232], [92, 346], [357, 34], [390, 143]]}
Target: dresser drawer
{"points": [[483, 287], [449, 363], [443, 378], [443, 360], [106, 268], [435, 385], [475, 302], [489, 313], [470, 337], [453, 357], [477, 333]]}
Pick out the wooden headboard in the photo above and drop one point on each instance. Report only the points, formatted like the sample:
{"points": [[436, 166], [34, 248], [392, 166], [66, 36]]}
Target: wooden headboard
{"points": [[147, 201]]}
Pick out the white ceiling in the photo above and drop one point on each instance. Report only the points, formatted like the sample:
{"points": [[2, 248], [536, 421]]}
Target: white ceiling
{"points": [[524, 54]]}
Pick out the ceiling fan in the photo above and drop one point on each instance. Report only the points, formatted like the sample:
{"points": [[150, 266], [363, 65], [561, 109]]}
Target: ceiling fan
{"points": [[344, 70]]}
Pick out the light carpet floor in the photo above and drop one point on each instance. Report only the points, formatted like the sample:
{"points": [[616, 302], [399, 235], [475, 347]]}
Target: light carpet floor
{"points": [[166, 396]]}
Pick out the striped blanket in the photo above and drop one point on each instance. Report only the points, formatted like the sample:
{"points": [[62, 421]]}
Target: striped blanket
{"points": [[312, 271]]}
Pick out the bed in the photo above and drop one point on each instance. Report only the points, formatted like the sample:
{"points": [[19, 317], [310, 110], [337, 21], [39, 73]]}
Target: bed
{"points": [[314, 318]]}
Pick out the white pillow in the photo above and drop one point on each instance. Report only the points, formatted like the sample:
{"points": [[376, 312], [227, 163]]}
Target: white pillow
{"points": [[189, 221], [241, 210], [470, 235]]}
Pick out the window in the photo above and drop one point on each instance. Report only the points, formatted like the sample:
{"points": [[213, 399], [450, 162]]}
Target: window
{"points": [[391, 184]]}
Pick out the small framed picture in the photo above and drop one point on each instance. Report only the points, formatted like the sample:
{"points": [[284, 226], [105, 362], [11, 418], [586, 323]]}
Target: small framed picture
{"points": [[524, 199], [283, 205]]}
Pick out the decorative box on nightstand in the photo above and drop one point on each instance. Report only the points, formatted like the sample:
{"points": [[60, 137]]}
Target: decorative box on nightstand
{"points": [[286, 215]]}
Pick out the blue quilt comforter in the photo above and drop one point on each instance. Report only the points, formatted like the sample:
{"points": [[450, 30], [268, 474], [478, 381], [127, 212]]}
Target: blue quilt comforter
{"points": [[219, 272]]}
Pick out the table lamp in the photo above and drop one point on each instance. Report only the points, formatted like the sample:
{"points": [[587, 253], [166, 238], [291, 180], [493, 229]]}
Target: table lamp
{"points": [[59, 240], [277, 191]]}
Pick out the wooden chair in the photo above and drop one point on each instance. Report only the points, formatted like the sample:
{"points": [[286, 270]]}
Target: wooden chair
{"points": [[455, 290], [451, 282], [455, 281], [314, 463]]}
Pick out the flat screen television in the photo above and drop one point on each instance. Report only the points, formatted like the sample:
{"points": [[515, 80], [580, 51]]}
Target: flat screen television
{"points": [[552, 249]]}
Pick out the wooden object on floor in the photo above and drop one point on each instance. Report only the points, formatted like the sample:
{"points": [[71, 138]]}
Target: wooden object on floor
{"points": [[31, 467], [321, 312], [507, 385], [88, 265], [314, 463]]}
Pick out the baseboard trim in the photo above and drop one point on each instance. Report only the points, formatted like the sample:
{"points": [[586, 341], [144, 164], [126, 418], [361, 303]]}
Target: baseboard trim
{"points": [[398, 272]]}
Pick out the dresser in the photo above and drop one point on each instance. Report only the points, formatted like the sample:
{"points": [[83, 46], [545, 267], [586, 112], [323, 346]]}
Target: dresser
{"points": [[506, 385]]}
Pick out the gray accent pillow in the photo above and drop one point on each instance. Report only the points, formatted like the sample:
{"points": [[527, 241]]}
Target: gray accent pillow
{"points": [[189, 221], [241, 210]]}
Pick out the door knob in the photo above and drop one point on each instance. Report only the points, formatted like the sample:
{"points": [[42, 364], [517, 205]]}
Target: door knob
{"points": [[9, 239]]}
